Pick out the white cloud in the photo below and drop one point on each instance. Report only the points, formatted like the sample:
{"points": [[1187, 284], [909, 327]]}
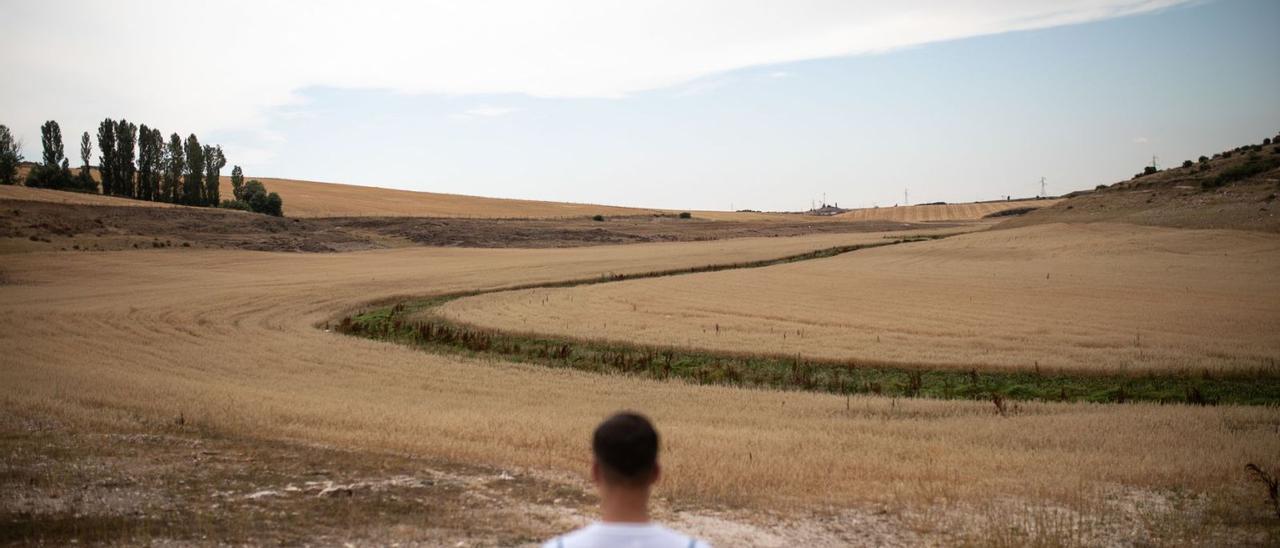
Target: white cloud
{"points": [[779, 74], [195, 67], [487, 112]]}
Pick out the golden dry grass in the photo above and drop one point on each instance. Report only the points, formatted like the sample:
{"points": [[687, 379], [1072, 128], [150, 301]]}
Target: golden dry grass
{"points": [[943, 212], [315, 199], [312, 199], [16, 192], [1116, 298], [228, 339]]}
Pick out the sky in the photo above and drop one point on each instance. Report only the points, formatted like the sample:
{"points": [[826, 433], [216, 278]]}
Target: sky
{"points": [[682, 105]]}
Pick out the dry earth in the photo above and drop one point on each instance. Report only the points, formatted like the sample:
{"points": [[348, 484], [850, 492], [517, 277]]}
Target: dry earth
{"points": [[228, 341], [41, 226], [1101, 298]]}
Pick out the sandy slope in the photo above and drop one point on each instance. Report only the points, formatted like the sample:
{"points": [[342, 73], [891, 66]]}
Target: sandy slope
{"points": [[228, 339]]}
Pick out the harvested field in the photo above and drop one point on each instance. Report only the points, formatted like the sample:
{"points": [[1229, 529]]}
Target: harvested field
{"points": [[315, 199], [22, 193], [309, 199], [1114, 299], [38, 226], [940, 212], [227, 341]]}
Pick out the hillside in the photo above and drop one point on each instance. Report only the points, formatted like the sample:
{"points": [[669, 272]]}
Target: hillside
{"points": [[941, 212], [313, 199], [310, 199], [1233, 189], [316, 199]]}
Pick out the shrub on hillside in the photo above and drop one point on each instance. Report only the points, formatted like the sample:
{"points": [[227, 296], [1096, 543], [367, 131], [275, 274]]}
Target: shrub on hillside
{"points": [[1149, 170], [260, 201], [239, 205], [1254, 166], [1204, 159], [59, 178], [1186, 163], [686, 215], [1266, 141], [598, 218]]}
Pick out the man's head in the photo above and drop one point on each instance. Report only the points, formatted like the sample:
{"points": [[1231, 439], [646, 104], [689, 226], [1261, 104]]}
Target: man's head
{"points": [[626, 451]]}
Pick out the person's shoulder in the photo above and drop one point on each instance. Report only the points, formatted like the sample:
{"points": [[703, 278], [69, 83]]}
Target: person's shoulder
{"points": [[598, 534], [680, 540], [580, 534]]}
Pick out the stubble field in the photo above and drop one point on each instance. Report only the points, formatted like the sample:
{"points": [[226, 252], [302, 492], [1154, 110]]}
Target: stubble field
{"points": [[230, 343], [1084, 298]]}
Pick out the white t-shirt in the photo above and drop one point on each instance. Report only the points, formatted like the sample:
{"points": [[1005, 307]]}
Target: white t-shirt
{"points": [[625, 535]]}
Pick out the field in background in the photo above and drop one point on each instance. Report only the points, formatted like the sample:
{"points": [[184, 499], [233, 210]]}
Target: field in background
{"points": [[941, 212], [227, 341], [312, 199], [1089, 298]]}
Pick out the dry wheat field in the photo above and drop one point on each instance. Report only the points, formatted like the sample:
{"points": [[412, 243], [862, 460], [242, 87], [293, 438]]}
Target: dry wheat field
{"points": [[233, 343], [1087, 298], [940, 212]]}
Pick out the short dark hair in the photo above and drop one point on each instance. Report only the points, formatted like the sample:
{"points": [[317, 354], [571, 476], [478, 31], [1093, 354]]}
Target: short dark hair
{"points": [[626, 446]]}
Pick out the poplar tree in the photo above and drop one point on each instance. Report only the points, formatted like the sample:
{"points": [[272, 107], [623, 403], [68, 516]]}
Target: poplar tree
{"points": [[107, 161], [54, 171], [10, 156], [51, 140], [214, 161], [126, 140], [237, 182], [192, 187], [146, 163], [85, 179], [175, 162], [157, 152]]}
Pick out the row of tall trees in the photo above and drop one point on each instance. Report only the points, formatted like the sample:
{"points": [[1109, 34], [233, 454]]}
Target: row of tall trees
{"points": [[176, 171], [137, 162]]}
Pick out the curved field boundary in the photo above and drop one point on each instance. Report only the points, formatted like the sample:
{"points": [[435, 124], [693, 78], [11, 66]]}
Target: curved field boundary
{"points": [[411, 321]]}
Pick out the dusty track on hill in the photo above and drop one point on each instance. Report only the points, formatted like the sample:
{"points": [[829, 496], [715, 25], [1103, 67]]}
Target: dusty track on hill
{"points": [[228, 341]]}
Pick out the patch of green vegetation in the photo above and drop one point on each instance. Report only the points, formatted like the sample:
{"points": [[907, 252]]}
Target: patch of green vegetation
{"points": [[436, 334], [1254, 166]]}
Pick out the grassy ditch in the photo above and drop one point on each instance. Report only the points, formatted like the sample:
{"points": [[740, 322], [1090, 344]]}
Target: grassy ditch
{"points": [[411, 322]]}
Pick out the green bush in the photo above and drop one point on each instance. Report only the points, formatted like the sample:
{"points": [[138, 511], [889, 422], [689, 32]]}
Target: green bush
{"points": [[1186, 163], [1149, 170], [239, 205], [58, 178], [686, 215], [1100, 187], [1204, 159], [598, 218]]}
